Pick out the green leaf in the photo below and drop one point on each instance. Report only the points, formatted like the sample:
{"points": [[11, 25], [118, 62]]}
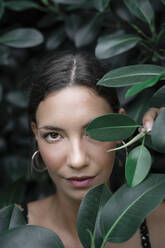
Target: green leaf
{"points": [[17, 98], [111, 45], [112, 127], [163, 2], [72, 25], [21, 5], [89, 212], [22, 38], [87, 33], [143, 85], [2, 8], [130, 75], [142, 9], [30, 236], [1, 93], [11, 217], [68, 1], [4, 52], [14, 193], [158, 132], [55, 39], [100, 5], [129, 206], [158, 99], [138, 164]]}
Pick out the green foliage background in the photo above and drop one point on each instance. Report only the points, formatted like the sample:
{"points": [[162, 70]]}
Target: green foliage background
{"points": [[120, 33]]}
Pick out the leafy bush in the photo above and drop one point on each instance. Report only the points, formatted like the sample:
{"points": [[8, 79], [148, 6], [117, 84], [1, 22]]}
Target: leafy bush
{"points": [[128, 35]]}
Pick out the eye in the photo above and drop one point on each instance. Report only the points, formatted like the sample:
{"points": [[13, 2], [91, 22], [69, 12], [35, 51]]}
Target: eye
{"points": [[52, 137]]}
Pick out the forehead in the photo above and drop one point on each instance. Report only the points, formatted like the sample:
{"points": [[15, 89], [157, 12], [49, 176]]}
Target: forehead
{"points": [[75, 102]]}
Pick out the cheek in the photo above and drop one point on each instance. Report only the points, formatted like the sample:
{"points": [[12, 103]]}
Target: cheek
{"points": [[52, 155]]}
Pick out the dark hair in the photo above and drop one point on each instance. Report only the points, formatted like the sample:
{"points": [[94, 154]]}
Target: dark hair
{"points": [[68, 68]]}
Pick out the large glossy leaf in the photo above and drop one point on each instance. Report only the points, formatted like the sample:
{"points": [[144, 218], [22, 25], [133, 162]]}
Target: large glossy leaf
{"points": [[142, 9], [130, 75], [129, 206], [158, 133], [146, 84], [22, 38], [158, 99], [30, 236], [89, 213], [11, 217], [87, 33], [138, 164], [55, 39], [18, 5], [111, 45], [112, 127], [14, 193]]}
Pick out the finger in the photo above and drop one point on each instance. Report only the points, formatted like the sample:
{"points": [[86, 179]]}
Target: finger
{"points": [[149, 117]]}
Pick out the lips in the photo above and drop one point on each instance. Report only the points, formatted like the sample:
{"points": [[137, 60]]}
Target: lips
{"points": [[80, 181]]}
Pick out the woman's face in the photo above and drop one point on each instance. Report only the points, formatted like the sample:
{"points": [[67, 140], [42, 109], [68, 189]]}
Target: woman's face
{"points": [[75, 161]]}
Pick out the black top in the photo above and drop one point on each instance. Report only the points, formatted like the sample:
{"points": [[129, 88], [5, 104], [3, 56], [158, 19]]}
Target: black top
{"points": [[144, 234]]}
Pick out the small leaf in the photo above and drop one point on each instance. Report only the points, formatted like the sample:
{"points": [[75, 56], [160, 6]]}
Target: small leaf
{"points": [[111, 45], [68, 1], [21, 5], [30, 236], [158, 99], [10, 217], [87, 33], [89, 212], [138, 164], [142, 9], [130, 75], [143, 85], [112, 127], [129, 206], [55, 39], [2, 8], [17, 98], [158, 131], [22, 38]]}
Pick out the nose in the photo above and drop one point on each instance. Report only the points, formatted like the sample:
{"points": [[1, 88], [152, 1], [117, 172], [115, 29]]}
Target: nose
{"points": [[78, 156]]}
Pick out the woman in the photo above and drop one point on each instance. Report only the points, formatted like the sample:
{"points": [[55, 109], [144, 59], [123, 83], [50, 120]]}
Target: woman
{"points": [[64, 98]]}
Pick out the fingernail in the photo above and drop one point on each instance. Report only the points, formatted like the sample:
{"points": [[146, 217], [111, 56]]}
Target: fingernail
{"points": [[148, 126]]}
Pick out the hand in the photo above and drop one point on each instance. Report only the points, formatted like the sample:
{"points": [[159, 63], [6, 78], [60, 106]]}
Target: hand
{"points": [[149, 117]]}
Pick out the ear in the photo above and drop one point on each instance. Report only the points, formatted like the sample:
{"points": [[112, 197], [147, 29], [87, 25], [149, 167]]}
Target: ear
{"points": [[34, 129]]}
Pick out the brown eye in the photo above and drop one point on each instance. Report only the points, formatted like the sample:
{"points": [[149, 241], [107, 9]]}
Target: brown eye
{"points": [[52, 137]]}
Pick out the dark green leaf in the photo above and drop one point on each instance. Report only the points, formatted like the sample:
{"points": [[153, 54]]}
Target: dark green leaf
{"points": [[87, 33], [158, 133], [100, 5], [111, 45], [146, 84], [68, 1], [158, 99], [129, 206], [21, 5], [142, 9], [72, 25], [138, 164], [11, 217], [89, 213], [2, 8], [163, 2], [14, 193], [22, 38], [130, 75], [4, 52], [55, 39], [30, 236], [17, 98], [1, 92], [112, 127]]}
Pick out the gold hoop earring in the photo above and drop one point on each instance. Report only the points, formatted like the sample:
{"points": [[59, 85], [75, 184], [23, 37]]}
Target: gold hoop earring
{"points": [[37, 163]]}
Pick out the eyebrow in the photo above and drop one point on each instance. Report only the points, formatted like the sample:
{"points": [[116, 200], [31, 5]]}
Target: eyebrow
{"points": [[53, 128]]}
